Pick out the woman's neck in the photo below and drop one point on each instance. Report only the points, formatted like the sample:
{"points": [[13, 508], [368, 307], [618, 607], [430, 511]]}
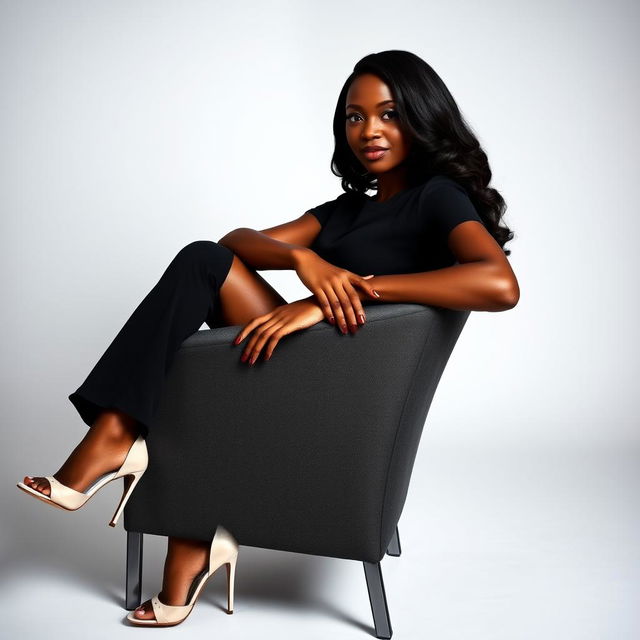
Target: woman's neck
{"points": [[389, 184]]}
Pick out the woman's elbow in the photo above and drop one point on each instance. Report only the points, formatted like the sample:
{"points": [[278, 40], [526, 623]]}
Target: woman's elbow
{"points": [[508, 294], [229, 235]]}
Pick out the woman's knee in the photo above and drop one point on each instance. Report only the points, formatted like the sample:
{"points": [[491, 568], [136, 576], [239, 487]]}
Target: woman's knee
{"points": [[204, 251]]}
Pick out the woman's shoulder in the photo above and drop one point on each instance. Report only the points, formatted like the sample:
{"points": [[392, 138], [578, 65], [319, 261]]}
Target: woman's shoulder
{"points": [[441, 184], [441, 191], [324, 211], [445, 203], [345, 195]]}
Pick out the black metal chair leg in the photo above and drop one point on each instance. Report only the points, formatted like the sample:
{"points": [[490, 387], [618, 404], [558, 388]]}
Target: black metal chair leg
{"points": [[394, 546], [133, 586], [378, 599]]}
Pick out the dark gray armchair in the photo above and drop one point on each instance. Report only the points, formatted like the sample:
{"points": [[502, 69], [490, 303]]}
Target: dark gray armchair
{"points": [[310, 452]]}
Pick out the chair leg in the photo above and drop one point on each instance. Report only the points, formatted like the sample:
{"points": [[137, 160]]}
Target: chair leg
{"points": [[133, 586], [378, 599], [394, 546]]}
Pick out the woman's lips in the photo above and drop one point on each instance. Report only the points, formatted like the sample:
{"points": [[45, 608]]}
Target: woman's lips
{"points": [[375, 155]]}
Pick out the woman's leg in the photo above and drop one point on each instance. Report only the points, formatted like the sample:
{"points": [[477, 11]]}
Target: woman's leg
{"points": [[205, 282], [243, 296], [130, 374], [234, 299]]}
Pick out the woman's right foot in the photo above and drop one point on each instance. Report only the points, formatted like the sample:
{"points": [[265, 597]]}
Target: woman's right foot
{"points": [[103, 449], [185, 559]]}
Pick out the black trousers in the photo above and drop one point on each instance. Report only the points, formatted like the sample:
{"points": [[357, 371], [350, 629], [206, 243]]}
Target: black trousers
{"points": [[130, 374]]}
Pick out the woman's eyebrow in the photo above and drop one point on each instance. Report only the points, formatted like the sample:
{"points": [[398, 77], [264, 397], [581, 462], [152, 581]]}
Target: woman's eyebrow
{"points": [[378, 105]]}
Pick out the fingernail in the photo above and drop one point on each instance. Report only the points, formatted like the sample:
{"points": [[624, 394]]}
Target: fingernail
{"points": [[343, 328], [332, 320], [237, 340], [361, 316], [253, 360], [376, 294], [244, 357], [353, 328]]}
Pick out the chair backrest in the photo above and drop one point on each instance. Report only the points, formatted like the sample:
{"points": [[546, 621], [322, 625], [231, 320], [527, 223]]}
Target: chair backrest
{"points": [[309, 452], [419, 361]]}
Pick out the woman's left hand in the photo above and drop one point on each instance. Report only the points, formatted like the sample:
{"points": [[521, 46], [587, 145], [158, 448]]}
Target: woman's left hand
{"points": [[270, 327]]}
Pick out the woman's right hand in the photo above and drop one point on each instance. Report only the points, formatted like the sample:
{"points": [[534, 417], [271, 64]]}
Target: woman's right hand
{"points": [[334, 289]]}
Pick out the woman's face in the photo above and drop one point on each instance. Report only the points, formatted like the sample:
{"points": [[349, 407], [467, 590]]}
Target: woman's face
{"points": [[371, 120]]}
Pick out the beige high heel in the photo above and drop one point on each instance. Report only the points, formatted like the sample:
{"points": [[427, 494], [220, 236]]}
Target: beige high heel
{"points": [[223, 550], [63, 497]]}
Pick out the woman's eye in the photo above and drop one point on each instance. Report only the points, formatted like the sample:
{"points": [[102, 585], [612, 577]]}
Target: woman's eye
{"points": [[351, 115]]}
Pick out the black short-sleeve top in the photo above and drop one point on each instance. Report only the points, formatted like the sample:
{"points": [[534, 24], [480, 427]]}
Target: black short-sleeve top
{"points": [[405, 234]]}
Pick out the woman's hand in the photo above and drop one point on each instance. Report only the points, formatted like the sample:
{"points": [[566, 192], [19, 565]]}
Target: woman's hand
{"points": [[334, 289], [270, 327]]}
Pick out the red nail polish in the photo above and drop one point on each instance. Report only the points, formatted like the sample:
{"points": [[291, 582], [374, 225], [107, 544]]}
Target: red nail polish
{"points": [[237, 340], [332, 320], [244, 357], [361, 316]]}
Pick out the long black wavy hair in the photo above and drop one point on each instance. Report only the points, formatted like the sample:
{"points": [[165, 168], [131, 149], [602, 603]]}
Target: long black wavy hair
{"points": [[442, 141]]}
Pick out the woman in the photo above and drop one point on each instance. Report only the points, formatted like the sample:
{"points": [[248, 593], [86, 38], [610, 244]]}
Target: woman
{"points": [[430, 235]]}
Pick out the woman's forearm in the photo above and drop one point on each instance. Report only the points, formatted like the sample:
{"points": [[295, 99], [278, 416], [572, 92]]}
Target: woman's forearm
{"points": [[474, 286], [259, 251]]}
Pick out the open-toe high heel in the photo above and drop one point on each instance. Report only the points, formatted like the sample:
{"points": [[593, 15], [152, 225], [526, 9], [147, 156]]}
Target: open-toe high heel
{"points": [[63, 497], [223, 550]]}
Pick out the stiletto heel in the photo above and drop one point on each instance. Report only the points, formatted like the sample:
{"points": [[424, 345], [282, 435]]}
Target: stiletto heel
{"points": [[231, 574], [223, 550], [63, 497], [130, 483]]}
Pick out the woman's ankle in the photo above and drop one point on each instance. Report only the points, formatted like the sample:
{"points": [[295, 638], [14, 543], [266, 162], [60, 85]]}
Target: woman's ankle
{"points": [[113, 423]]}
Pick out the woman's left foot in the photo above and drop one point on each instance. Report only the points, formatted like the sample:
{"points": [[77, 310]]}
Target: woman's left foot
{"points": [[185, 559], [103, 448]]}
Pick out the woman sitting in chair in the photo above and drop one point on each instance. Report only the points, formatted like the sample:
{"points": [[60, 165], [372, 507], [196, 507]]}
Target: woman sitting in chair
{"points": [[430, 235]]}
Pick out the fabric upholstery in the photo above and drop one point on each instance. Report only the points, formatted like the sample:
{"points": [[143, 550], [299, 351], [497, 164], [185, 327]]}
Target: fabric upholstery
{"points": [[310, 452]]}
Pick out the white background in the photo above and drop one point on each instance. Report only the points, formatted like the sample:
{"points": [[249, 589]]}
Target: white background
{"points": [[130, 129]]}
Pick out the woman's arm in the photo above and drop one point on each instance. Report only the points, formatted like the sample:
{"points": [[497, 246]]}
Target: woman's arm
{"points": [[478, 286], [287, 246], [260, 251], [277, 247], [483, 281]]}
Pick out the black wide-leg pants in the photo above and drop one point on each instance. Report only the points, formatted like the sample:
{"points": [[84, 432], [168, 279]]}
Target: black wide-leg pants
{"points": [[130, 374]]}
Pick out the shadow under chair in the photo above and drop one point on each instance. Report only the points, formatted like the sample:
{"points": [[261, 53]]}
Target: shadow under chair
{"points": [[310, 452]]}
